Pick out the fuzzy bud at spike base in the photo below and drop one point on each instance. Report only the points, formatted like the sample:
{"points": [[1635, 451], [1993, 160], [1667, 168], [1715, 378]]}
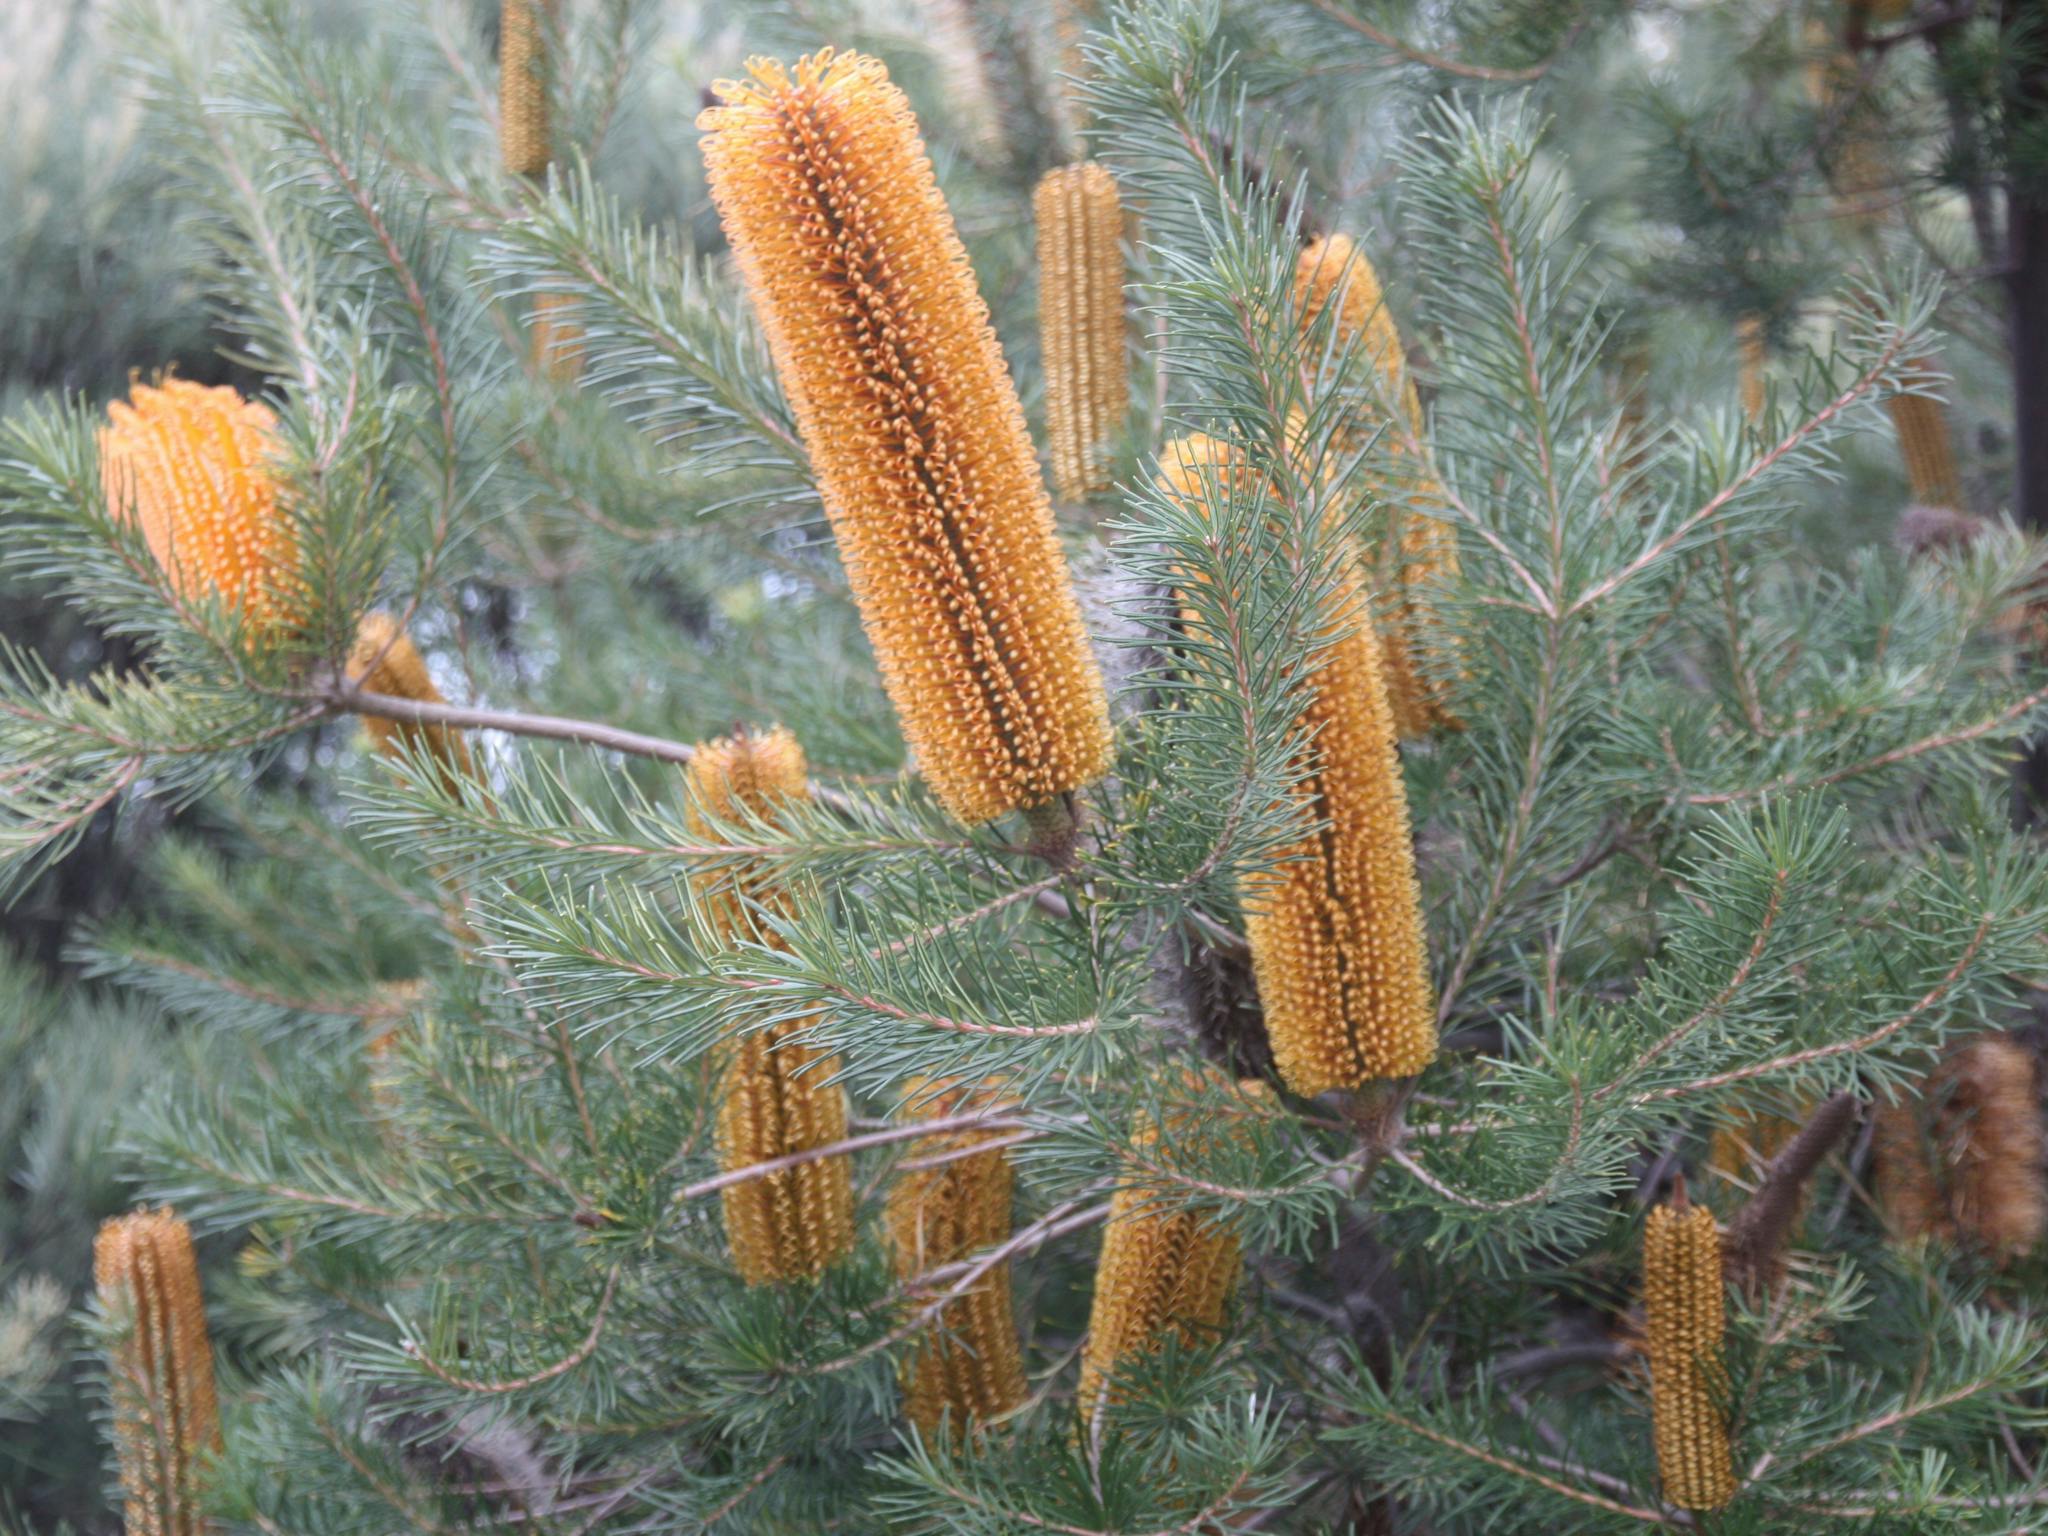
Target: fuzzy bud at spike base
{"points": [[1335, 926], [1081, 322], [883, 345], [166, 1417], [773, 1096], [1685, 1306], [968, 1368], [1419, 547], [191, 466], [386, 661], [1164, 1268]]}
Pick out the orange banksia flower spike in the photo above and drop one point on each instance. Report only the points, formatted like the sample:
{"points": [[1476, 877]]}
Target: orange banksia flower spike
{"points": [[525, 124], [968, 1368], [1081, 323], [1419, 548], [1921, 423], [774, 1097], [166, 1418], [194, 467], [1164, 1269], [386, 661], [1964, 1162], [883, 345], [1752, 357], [1335, 927], [1685, 1307]]}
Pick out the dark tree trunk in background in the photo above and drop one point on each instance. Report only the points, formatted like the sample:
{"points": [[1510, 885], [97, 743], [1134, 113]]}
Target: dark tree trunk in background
{"points": [[2026, 109]]}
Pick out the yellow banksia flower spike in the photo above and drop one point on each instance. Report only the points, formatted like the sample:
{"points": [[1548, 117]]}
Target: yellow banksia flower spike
{"points": [[525, 124], [166, 1417], [1964, 1163], [883, 345], [1685, 1306], [193, 466], [968, 1368], [1752, 356], [1081, 323], [1335, 927], [1927, 448], [774, 1097], [1165, 1270], [386, 661], [1419, 548]]}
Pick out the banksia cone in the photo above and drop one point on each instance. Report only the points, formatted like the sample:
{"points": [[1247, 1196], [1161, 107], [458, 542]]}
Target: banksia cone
{"points": [[1964, 1163], [1685, 1308], [1419, 548], [386, 661], [1925, 445], [1335, 927], [192, 467], [166, 1418], [773, 1095], [1081, 323], [967, 1368], [525, 130], [1164, 1268], [913, 427]]}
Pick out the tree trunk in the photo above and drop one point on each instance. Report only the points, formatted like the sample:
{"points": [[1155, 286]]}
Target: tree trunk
{"points": [[2027, 259]]}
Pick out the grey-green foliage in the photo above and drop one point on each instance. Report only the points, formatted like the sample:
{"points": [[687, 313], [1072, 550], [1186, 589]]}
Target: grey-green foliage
{"points": [[1719, 831]]}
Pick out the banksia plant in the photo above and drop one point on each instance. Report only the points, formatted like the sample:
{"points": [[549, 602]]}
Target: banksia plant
{"points": [[1335, 922], [913, 427], [1081, 323], [1164, 1269], [525, 122], [1418, 548], [1963, 1164], [160, 1369], [949, 1203], [775, 1096], [384, 660], [1685, 1310], [194, 468]]}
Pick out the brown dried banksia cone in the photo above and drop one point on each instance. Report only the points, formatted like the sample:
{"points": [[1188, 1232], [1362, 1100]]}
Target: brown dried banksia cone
{"points": [[386, 661], [884, 347], [1964, 1162], [1335, 927], [1164, 1269], [193, 467], [774, 1095], [968, 1368], [166, 1418], [1685, 1307], [1419, 548], [1081, 323], [525, 125]]}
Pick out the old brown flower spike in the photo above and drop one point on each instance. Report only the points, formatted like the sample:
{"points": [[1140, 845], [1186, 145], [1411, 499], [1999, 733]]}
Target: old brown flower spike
{"points": [[775, 1096], [952, 1204], [160, 1366], [193, 466], [1335, 926], [913, 427], [1418, 548], [1685, 1306]]}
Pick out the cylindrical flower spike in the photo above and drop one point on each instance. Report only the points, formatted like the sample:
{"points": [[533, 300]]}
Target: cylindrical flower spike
{"points": [[1927, 448], [194, 467], [525, 124], [1165, 1269], [166, 1418], [1335, 926], [1081, 323], [1685, 1306], [1419, 548], [1965, 1162], [386, 661], [913, 427], [968, 1369], [1752, 357], [774, 1095]]}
